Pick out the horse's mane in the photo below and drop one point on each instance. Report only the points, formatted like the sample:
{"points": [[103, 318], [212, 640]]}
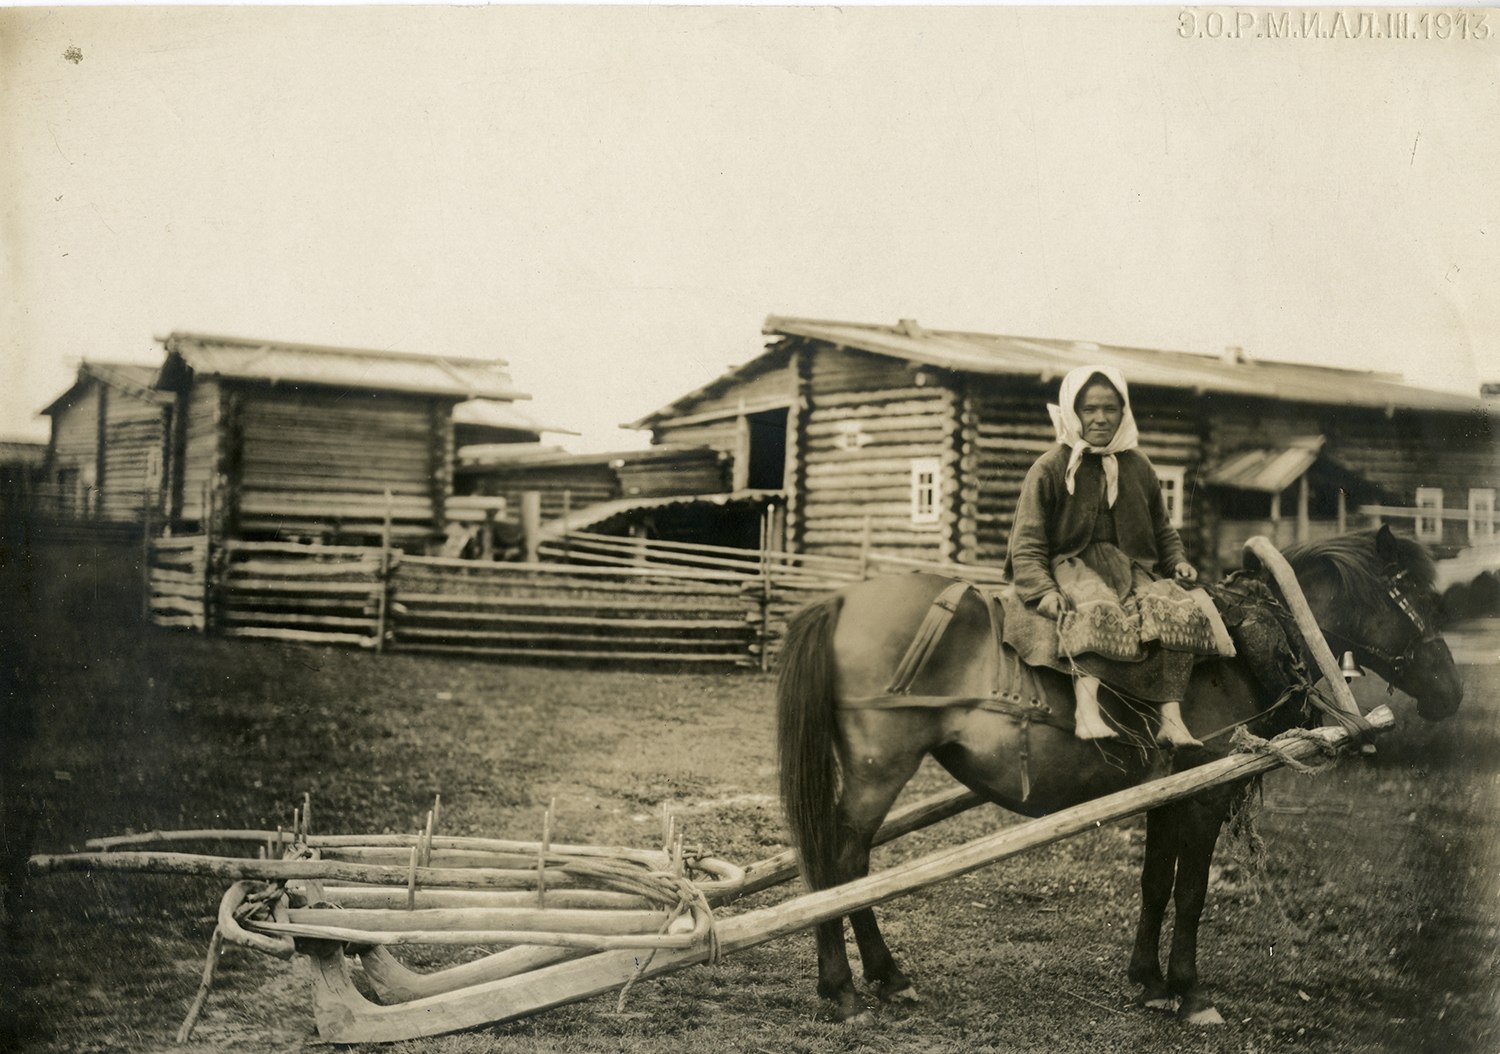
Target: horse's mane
{"points": [[1356, 569]]}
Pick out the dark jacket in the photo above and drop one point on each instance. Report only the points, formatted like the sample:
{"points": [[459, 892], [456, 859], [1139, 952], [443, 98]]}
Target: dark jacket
{"points": [[1052, 524]]}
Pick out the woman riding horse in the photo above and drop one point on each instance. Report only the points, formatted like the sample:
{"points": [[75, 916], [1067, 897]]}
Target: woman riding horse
{"points": [[848, 742], [1093, 548]]}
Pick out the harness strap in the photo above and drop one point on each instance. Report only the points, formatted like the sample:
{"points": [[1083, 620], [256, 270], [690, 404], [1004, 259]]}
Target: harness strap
{"points": [[934, 624]]}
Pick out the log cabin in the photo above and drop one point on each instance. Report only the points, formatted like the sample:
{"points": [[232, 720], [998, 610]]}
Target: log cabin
{"points": [[108, 448], [600, 491], [914, 442], [23, 465], [279, 440]]}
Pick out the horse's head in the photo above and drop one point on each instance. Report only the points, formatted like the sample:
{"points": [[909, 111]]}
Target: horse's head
{"points": [[1372, 593]]}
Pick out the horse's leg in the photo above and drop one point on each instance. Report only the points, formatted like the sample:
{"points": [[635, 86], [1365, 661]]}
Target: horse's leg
{"points": [[1158, 871], [1200, 821], [870, 790]]}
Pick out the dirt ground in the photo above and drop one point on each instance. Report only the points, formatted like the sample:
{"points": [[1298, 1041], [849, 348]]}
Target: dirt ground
{"points": [[1371, 926]]}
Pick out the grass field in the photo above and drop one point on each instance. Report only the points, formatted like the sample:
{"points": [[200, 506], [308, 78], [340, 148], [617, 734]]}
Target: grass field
{"points": [[1372, 926]]}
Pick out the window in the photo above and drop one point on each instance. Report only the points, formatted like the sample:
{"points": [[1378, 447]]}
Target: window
{"points": [[1173, 488], [1430, 528], [1481, 514], [926, 486]]}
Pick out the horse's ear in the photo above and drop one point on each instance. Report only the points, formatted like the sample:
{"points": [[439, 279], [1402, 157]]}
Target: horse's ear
{"points": [[1386, 548], [1250, 562]]}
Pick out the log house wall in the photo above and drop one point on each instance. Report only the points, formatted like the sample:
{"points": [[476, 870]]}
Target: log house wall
{"points": [[111, 438], [74, 446], [198, 410], [895, 412], [134, 456], [319, 461], [571, 487], [1011, 429], [1400, 451]]}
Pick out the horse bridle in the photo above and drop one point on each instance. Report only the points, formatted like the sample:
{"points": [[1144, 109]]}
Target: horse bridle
{"points": [[1396, 664]]}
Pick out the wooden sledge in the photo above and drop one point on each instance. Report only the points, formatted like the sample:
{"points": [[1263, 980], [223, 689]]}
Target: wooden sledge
{"points": [[529, 976], [579, 921]]}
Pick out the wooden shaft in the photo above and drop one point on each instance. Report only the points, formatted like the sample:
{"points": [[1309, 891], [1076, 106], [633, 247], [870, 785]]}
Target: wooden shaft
{"points": [[1312, 633]]}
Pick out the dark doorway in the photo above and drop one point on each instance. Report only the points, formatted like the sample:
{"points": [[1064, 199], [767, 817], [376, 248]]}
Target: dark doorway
{"points": [[767, 470]]}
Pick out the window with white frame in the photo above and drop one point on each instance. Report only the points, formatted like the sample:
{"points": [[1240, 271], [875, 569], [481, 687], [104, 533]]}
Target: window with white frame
{"points": [[1173, 491], [1481, 514], [926, 487], [1430, 527]]}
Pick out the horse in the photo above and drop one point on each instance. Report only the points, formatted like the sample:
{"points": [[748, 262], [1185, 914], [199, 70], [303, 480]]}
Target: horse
{"points": [[842, 767]]}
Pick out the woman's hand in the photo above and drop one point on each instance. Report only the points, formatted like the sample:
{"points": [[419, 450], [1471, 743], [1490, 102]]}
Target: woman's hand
{"points": [[1051, 605], [1185, 572]]}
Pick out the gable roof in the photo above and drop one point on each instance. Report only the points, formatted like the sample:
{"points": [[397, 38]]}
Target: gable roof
{"points": [[1048, 359], [994, 354], [365, 369], [138, 381]]}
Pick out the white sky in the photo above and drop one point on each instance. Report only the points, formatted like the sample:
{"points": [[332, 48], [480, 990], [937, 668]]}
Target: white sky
{"points": [[613, 199]]}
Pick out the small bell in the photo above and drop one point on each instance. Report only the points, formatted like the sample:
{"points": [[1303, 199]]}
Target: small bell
{"points": [[1350, 668]]}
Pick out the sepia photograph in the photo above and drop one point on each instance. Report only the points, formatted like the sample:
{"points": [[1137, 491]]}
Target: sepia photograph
{"points": [[762, 529]]}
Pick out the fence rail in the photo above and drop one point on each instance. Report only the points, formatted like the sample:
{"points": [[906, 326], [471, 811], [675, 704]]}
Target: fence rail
{"points": [[597, 597]]}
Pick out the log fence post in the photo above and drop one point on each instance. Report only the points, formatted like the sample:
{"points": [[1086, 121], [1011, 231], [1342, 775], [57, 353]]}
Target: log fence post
{"points": [[206, 511], [146, 556], [765, 590], [531, 524], [383, 583]]}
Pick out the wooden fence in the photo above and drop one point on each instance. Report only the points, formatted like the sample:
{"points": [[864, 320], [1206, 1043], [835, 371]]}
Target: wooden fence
{"points": [[595, 597]]}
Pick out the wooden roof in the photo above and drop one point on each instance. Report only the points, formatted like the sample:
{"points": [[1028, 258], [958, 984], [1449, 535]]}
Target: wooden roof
{"points": [[23, 451], [487, 413], [363, 369], [139, 381], [1047, 359]]}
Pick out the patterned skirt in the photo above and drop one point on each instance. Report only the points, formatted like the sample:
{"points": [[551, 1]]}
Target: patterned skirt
{"points": [[1116, 609]]}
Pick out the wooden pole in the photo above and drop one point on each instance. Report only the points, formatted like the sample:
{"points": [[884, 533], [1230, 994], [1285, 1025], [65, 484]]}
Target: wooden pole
{"points": [[1312, 633], [1276, 517], [206, 511], [146, 556], [531, 524], [1343, 513], [383, 586], [1304, 520], [766, 521], [345, 1017]]}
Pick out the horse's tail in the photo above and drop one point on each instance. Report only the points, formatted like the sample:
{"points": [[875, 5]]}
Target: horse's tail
{"points": [[805, 733]]}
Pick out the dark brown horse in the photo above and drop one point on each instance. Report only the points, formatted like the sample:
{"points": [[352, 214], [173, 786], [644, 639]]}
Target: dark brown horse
{"points": [[842, 768]]}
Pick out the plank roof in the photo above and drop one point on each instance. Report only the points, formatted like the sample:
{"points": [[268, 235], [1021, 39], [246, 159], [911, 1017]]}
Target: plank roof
{"points": [[488, 413], [137, 380], [23, 451], [1047, 359], [365, 369]]}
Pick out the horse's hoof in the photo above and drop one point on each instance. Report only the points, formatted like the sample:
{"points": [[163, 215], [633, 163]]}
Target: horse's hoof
{"points": [[905, 997], [1160, 1002], [1205, 1017], [864, 1017]]}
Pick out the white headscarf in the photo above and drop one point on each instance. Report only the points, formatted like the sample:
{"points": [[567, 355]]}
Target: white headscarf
{"points": [[1070, 429]]}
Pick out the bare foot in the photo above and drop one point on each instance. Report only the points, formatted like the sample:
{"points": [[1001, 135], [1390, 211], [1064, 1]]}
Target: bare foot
{"points": [[1096, 728]]}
